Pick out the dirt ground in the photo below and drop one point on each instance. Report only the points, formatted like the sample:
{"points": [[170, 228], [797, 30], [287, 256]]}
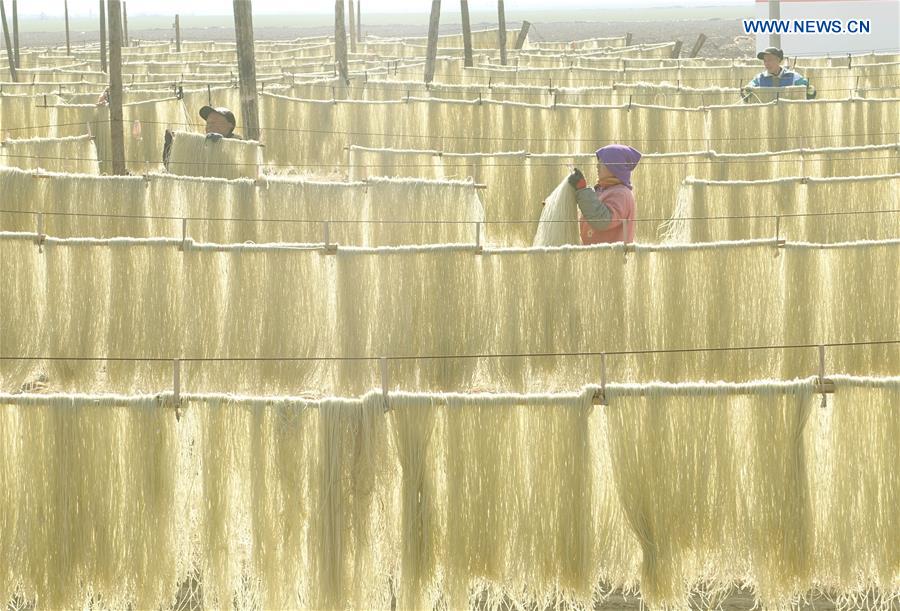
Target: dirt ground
{"points": [[724, 36]]}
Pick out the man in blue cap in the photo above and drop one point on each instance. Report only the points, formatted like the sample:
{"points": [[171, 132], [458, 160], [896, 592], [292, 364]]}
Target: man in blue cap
{"points": [[775, 75], [608, 209]]}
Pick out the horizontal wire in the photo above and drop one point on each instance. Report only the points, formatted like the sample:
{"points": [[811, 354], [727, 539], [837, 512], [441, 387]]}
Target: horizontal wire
{"points": [[519, 162], [379, 85], [495, 138], [456, 356], [786, 215]]}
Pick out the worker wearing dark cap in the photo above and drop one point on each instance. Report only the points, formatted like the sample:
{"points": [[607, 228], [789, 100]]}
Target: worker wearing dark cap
{"points": [[775, 75], [220, 123]]}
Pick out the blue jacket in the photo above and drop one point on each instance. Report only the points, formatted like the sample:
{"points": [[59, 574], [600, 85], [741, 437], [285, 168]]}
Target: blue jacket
{"points": [[786, 78]]}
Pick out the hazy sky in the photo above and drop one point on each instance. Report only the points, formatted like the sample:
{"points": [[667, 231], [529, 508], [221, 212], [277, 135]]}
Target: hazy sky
{"points": [[219, 7]]}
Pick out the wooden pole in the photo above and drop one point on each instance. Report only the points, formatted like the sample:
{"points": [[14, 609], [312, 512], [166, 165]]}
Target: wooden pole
{"points": [[116, 120], [431, 51], [340, 40], [696, 48], [15, 28], [125, 42], [628, 37], [178, 33], [523, 34], [501, 14], [774, 13], [103, 67], [358, 20], [9, 50], [676, 51], [467, 33], [352, 28], [243, 27], [68, 40]]}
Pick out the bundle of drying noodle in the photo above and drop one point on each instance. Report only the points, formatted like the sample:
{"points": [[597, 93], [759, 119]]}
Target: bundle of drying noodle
{"points": [[381, 212], [145, 124], [196, 155], [861, 305], [517, 180], [859, 489], [712, 480], [467, 499], [90, 509], [20, 116], [811, 209], [277, 302], [732, 128], [76, 155], [559, 220]]}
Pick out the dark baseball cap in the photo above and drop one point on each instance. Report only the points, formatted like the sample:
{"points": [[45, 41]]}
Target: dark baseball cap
{"points": [[771, 51], [229, 116]]}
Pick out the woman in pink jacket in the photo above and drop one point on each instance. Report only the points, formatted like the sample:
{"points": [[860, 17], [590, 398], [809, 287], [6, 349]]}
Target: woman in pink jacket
{"points": [[608, 210]]}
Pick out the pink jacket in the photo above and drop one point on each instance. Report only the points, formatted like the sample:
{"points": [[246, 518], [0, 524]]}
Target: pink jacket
{"points": [[604, 211]]}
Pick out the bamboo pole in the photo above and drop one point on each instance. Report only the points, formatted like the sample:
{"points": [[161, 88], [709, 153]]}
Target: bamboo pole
{"points": [[68, 40], [501, 14], [358, 21], [243, 27], [431, 51], [340, 40], [523, 34], [116, 119], [467, 33], [9, 50], [696, 48], [15, 29], [103, 66], [178, 33]]}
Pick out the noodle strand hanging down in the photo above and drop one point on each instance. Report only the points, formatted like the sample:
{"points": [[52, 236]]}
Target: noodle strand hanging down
{"points": [[714, 486], [463, 500], [559, 220], [197, 155]]}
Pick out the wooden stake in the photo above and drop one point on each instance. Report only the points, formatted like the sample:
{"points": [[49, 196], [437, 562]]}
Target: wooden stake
{"points": [[178, 33], [523, 34], [468, 62], [501, 36], [243, 27], [352, 28], [103, 65], [15, 28], [696, 48], [431, 51], [9, 50], [116, 120], [340, 40], [68, 40], [676, 52]]}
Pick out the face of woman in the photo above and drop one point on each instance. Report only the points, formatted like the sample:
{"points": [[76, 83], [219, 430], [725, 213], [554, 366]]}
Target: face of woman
{"points": [[603, 171]]}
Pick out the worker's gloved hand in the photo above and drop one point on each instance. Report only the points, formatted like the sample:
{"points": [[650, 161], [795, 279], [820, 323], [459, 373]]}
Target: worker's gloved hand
{"points": [[576, 179], [213, 137]]}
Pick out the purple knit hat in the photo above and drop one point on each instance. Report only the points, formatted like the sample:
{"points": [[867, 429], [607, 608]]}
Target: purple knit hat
{"points": [[621, 161]]}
